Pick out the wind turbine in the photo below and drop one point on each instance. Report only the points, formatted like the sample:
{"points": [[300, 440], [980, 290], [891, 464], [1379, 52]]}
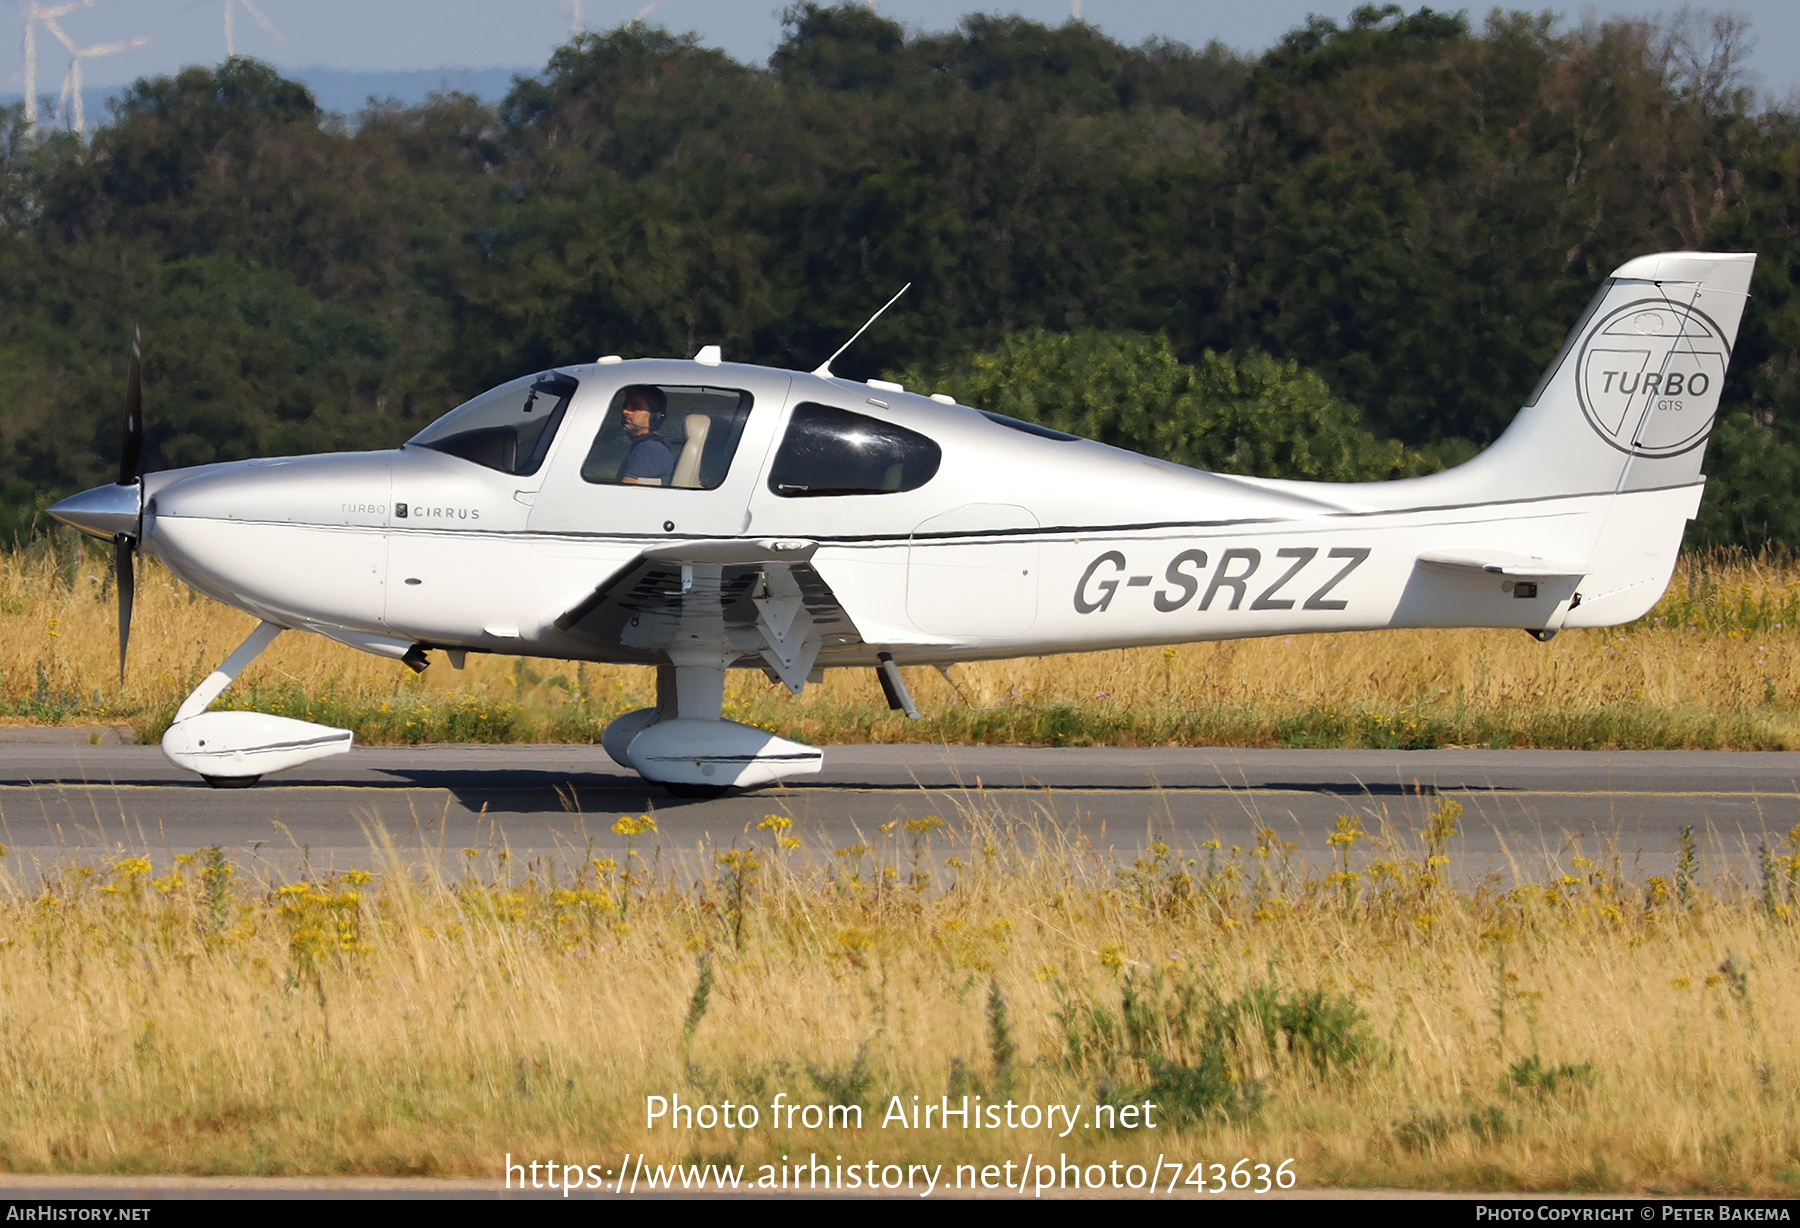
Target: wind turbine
{"points": [[71, 88], [33, 13], [231, 24]]}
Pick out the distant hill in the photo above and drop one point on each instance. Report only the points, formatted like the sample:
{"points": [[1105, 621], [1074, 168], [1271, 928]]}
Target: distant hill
{"points": [[349, 92]]}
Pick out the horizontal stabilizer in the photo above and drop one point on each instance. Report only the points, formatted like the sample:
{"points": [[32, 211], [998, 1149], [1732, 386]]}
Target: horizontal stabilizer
{"points": [[1504, 563]]}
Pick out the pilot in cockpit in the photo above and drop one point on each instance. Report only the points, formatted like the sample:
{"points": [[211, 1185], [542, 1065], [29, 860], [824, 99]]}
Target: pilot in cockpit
{"points": [[651, 461]]}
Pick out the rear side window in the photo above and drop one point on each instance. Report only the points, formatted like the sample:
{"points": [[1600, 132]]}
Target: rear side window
{"points": [[830, 451], [508, 428]]}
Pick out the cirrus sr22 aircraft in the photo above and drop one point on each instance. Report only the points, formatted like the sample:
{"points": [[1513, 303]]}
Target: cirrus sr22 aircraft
{"points": [[794, 522]]}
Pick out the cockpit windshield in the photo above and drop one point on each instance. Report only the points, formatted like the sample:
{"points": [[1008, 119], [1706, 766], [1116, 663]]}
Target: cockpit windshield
{"points": [[508, 428]]}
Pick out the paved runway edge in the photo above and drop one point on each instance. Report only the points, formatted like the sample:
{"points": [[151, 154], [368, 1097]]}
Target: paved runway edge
{"points": [[62, 803], [903, 765]]}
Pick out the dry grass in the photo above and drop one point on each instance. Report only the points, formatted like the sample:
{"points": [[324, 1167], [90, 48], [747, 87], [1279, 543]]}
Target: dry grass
{"points": [[1716, 665], [1371, 1020]]}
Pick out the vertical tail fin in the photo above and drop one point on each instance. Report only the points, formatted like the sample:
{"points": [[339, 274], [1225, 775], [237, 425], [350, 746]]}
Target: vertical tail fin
{"points": [[1600, 471], [1626, 412], [1629, 402]]}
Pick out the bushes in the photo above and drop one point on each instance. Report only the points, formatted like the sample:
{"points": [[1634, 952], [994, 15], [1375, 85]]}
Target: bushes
{"points": [[1175, 1041], [1252, 415]]}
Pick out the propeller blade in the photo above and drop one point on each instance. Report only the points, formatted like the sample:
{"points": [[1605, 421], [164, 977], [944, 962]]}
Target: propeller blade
{"points": [[131, 443], [123, 547]]}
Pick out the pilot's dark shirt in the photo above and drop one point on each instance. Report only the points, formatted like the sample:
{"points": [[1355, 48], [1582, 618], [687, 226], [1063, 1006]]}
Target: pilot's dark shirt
{"points": [[650, 457]]}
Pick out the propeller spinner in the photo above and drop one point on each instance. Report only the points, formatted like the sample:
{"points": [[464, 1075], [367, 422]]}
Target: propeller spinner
{"points": [[116, 513]]}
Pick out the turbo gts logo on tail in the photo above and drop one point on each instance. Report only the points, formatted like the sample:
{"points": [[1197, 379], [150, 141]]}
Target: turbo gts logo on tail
{"points": [[1650, 379]]}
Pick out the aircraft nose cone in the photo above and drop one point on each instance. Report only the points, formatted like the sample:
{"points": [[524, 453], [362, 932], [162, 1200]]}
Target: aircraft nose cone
{"points": [[103, 511]]}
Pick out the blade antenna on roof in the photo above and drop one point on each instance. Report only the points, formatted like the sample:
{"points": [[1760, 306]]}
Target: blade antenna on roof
{"points": [[824, 368]]}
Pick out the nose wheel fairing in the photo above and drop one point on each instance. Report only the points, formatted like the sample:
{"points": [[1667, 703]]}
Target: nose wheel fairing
{"points": [[234, 749], [245, 746]]}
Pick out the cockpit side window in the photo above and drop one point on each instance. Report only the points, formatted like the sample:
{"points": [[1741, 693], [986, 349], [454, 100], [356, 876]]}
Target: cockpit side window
{"points": [[508, 428], [831, 451], [668, 435]]}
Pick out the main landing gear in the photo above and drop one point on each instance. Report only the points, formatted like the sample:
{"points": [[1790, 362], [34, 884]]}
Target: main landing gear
{"points": [[684, 743]]}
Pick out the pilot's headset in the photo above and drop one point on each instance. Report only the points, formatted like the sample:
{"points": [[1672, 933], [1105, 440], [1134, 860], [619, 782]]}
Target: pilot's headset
{"points": [[654, 397]]}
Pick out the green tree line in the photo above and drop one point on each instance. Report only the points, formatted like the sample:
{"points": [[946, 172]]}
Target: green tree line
{"points": [[1349, 256]]}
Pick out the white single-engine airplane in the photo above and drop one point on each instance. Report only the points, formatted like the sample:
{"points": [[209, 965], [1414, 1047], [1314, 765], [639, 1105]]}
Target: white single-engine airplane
{"points": [[701, 516]]}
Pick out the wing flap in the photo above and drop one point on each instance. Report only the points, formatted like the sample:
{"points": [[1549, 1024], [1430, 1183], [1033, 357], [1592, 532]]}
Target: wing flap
{"points": [[749, 599]]}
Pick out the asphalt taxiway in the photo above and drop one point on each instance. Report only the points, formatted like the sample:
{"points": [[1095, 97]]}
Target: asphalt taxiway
{"points": [[1522, 810]]}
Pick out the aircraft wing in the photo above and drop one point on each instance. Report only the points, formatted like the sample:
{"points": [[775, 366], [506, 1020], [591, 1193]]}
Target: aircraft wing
{"points": [[752, 598]]}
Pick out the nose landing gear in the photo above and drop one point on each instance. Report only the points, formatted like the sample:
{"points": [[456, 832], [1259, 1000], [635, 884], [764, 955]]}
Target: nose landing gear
{"points": [[234, 750]]}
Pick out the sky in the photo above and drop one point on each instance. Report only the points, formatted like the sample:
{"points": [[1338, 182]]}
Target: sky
{"points": [[423, 37]]}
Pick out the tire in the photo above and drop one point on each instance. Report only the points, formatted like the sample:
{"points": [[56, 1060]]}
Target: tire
{"points": [[696, 792], [231, 782]]}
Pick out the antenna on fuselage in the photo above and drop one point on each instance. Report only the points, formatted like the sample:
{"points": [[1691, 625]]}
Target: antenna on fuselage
{"points": [[824, 368]]}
